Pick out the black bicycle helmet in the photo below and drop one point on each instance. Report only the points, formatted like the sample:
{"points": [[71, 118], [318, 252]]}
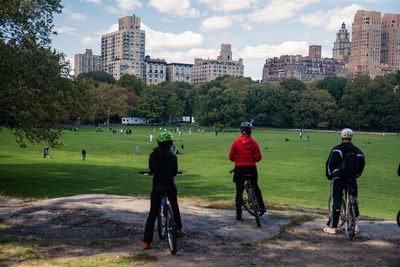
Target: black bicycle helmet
{"points": [[245, 127]]}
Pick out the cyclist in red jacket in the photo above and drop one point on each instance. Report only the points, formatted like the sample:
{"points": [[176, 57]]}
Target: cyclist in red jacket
{"points": [[245, 152]]}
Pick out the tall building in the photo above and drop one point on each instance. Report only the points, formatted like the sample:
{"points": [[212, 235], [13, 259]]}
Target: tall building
{"points": [[123, 51], [306, 69], [342, 46], [314, 51], [390, 41], [86, 62], [365, 44], [156, 70], [205, 70], [179, 72]]}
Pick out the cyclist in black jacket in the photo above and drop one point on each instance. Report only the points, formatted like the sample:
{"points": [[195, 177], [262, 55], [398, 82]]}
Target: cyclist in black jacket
{"points": [[334, 172], [164, 166]]}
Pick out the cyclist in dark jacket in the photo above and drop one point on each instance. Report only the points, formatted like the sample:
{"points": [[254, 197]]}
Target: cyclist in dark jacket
{"points": [[245, 152], [164, 166], [339, 181]]}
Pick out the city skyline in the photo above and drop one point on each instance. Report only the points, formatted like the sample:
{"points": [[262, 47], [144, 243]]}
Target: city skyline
{"points": [[181, 30]]}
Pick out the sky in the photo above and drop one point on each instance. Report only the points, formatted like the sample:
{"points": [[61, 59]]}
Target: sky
{"points": [[181, 30]]}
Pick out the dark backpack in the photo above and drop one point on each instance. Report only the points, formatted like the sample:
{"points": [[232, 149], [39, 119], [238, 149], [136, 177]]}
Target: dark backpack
{"points": [[350, 165]]}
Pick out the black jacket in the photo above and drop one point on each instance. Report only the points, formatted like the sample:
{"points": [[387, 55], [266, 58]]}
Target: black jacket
{"points": [[164, 166], [336, 157]]}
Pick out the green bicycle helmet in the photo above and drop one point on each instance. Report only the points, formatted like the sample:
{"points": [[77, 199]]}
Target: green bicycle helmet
{"points": [[164, 137]]}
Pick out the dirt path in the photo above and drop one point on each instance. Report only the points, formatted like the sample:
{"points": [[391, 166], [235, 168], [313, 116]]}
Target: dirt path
{"points": [[87, 225]]}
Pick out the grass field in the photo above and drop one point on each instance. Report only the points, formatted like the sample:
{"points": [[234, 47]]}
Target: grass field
{"points": [[290, 172]]}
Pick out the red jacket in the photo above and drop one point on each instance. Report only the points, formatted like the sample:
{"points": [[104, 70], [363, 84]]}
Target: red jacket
{"points": [[245, 152]]}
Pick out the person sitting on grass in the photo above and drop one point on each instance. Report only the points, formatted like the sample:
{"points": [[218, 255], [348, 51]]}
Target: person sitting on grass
{"points": [[163, 164]]}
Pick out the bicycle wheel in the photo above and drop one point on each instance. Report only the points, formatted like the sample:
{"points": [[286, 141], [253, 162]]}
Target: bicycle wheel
{"points": [[254, 206], [342, 217], [171, 230], [161, 225], [247, 202], [350, 220], [398, 218]]}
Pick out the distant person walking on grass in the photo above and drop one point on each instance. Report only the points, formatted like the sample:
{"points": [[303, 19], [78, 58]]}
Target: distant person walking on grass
{"points": [[137, 149], [83, 154], [245, 152], [182, 148], [345, 163], [164, 166], [46, 152]]}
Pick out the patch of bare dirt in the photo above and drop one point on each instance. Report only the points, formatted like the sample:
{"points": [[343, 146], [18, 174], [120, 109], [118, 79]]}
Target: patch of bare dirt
{"points": [[73, 232]]}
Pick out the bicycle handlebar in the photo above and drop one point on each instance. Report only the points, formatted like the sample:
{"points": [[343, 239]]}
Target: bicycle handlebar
{"points": [[233, 170], [150, 173]]}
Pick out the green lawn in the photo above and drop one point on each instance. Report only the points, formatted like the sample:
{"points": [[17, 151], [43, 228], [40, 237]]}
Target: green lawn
{"points": [[290, 172]]}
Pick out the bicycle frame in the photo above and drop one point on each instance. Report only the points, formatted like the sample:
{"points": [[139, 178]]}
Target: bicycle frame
{"points": [[250, 204], [350, 215]]}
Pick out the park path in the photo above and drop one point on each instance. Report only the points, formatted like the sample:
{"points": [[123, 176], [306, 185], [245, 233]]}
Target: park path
{"points": [[197, 221]]}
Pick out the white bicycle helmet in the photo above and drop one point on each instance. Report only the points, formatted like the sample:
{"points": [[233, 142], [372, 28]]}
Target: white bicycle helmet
{"points": [[346, 133]]}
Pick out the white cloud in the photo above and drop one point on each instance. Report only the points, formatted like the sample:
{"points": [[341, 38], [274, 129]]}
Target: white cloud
{"points": [[68, 30], [246, 27], [124, 6], [157, 40], [175, 7], [264, 51], [227, 5], [77, 16], [94, 1], [113, 28], [332, 19], [221, 22], [187, 56], [87, 40], [278, 10], [216, 23], [128, 5]]}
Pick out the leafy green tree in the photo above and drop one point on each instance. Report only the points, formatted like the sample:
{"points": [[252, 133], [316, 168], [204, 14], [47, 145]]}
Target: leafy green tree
{"points": [[152, 104], [33, 18], [293, 84], [97, 77], [132, 83], [334, 85], [267, 105], [34, 99], [218, 107], [109, 100]]}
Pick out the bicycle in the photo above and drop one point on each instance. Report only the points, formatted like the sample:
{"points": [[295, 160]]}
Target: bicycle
{"points": [[166, 226], [250, 203], [348, 213]]}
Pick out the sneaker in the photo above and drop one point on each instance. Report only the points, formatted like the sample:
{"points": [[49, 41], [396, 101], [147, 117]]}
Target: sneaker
{"points": [[181, 233], [145, 245], [330, 230]]}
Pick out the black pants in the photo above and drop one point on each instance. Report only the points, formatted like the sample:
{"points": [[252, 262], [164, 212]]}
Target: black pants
{"points": [[239, 180], [155, 205], [337, 187]]}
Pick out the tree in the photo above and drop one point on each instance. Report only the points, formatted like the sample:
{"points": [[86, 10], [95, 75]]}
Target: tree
{"points": [[109, 100], [334, 85], [33, 18], [34, 100], [293, 84], [218, 107], [97, 77], [132, 83], [152, 104]]}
